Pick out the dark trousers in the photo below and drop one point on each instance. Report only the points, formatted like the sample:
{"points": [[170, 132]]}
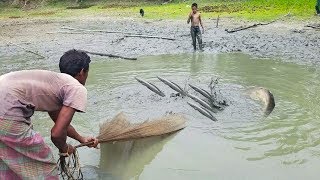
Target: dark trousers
{"points": [[196, 34], [317, 7]]}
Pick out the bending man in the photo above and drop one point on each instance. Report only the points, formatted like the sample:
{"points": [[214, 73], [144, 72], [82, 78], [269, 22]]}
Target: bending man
{"points": [[23, 153]]}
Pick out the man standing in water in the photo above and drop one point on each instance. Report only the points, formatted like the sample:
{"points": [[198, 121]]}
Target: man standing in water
{"points": [[195, 19], [23, 153]]}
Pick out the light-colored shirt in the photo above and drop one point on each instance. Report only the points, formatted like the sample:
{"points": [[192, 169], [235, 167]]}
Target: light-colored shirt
{"points": [[23, 92]]}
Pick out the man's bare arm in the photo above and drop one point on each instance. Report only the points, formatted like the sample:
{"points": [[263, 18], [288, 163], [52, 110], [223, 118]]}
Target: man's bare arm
{"points": [[59, 130], [189, 18], [71, 132], [201, 22]]}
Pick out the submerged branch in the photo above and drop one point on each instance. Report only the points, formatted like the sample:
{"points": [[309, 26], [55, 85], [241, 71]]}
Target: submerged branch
{"points": [[157, 37], [127, 34], [254, 25], [67, 32], [102, 31], [109, 55], [27, 50], [241, 28]]}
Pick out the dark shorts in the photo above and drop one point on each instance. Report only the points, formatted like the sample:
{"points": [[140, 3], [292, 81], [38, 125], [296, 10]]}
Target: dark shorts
{"points": [[196, 35]]}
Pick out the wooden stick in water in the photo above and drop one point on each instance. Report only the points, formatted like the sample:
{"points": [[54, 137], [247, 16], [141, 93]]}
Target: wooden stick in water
{"points": [[254, 25], [109, 55], [157, 37], [27, 50], [217, 21], [94, 30]]}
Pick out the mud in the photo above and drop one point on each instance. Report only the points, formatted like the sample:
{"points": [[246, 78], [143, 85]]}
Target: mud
{"points": [[286, 39]]}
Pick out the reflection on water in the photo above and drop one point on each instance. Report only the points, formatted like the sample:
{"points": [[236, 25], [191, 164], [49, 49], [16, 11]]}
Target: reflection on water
{"points": [[124, 160], [286, 143], [196, 63]]}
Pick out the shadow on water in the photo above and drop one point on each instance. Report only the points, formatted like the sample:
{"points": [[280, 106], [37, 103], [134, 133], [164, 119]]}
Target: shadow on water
{"points": [[196, 63]]}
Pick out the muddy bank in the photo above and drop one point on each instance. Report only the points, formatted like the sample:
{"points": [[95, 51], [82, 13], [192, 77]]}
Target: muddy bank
{"points": [[286, 39]]}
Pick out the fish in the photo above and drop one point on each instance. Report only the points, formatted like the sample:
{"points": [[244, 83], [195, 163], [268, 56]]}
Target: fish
{"points": [[172, 85], [203, 111], [177, 86], [202, 103], [203, 92], [265, 96], [151, 86], [207, 95]]}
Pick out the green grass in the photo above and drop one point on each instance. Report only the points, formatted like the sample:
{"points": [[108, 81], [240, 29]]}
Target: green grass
{"points": [[248, 9]]}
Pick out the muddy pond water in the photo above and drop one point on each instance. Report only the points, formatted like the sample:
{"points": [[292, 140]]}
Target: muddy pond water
{"points": [[242, 144]]}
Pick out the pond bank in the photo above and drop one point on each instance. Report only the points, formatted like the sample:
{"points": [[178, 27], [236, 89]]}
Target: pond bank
{"points": [[285, 39], [285, 143]]}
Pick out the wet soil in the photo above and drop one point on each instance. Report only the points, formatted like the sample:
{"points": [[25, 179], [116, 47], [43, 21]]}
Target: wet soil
{"points": [[285, 39]]}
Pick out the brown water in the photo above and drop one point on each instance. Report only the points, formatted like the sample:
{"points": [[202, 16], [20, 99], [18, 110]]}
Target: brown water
{"points": [[241, 145]]}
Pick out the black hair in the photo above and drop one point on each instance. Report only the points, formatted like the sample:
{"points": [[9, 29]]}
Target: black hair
{"points": [[194, 4], [73, 61]]}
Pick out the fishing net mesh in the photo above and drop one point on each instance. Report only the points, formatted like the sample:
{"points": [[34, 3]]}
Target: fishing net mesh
{"points": [[120, 129]]}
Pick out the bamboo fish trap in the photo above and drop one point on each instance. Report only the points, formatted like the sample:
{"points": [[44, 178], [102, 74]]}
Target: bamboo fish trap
{"points": [[120, 129]]}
